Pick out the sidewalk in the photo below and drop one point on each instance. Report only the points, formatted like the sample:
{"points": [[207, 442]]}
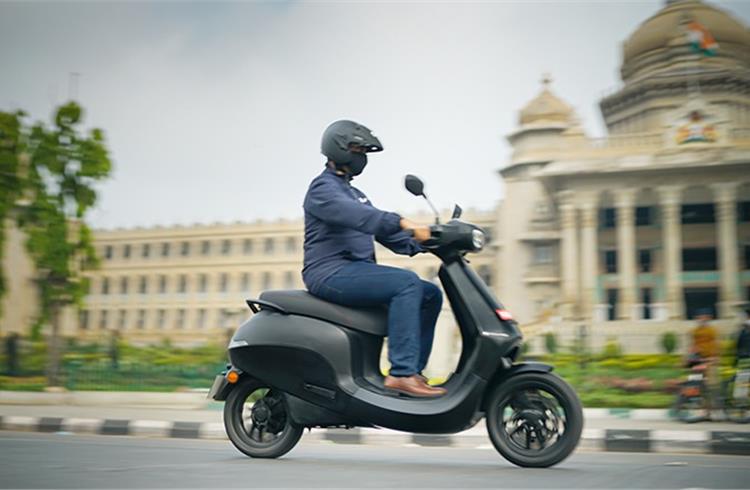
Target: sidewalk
{"points": [[190, 415]]}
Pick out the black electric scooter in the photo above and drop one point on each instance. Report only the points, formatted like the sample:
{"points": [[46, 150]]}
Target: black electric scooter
{"points": [[303, 362]]}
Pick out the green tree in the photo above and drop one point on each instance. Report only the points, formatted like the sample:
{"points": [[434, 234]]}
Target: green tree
{"points": [[10, 182], [64, 165]]}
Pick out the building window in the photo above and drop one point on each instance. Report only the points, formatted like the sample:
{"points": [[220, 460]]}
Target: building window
{"points": [[610, 261], [247, 246], [223, 283], [288, 280], [646, 313], [612, 304], [542, 254], [182, 287], [485, 273], [268, 246], [162, 284], [108, 252], [126, 252], [124, 285], [105, 285], [245, 282], [202, 283], [200, 319], [644, 216], [205, 247], [180, 319], [165, 250], [83, 319], [122, 316], [267, 281], [161, 319], [103, 319], [185, 249], [607, 218], [291, 245], [699, 259], [143, 286], [145, 250], [644, 260], [141, 320], [226, 247], [698, 213], [743, 211]]}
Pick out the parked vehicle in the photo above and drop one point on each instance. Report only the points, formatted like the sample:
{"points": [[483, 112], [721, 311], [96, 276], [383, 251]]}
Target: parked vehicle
{"points": [[303, 362], [691, 404], [737, 394]]}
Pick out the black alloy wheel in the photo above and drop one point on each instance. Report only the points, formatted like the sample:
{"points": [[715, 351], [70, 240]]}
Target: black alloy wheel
{"points": [[257, 421], [534, 419]]}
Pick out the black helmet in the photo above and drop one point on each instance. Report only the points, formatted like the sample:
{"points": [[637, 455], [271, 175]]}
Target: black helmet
{"points": [[337, 138]]}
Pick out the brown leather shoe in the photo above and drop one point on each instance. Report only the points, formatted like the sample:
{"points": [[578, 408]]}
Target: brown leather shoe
{"points": [[413, 386]]}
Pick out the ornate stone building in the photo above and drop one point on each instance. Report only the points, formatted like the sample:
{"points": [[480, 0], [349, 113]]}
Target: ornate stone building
{"points": [[634, 232]]}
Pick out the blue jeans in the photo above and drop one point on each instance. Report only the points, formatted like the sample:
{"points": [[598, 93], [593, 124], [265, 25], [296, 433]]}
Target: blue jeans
{"points": [[413, 308]]}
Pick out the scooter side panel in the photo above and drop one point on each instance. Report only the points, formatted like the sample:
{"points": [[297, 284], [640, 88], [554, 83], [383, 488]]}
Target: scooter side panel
{"points": [[306, 357]]}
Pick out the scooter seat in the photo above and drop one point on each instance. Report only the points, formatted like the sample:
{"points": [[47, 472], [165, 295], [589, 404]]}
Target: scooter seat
{"points": [[298, 302]]}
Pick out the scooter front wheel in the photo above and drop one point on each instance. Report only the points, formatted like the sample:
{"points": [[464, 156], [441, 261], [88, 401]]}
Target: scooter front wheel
{"points": [[257, 420], [534, 419]]}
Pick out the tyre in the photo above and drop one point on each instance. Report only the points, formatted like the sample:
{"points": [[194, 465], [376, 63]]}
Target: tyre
{"points": [[257, 420], [534, 419]]}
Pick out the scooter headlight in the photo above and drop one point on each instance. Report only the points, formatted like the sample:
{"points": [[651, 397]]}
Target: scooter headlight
{"points": [[478, 239]]}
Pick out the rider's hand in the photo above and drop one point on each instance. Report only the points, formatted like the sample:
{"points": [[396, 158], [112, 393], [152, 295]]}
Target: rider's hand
{"points": [[421, 233]]}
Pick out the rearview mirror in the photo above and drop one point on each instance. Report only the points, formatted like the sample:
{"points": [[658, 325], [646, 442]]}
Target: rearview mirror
{"points": [[414, 185], [457, 212]]}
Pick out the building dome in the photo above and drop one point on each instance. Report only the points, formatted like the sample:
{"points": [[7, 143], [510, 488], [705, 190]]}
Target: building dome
{"points": [[667, 29], [546, 107]]}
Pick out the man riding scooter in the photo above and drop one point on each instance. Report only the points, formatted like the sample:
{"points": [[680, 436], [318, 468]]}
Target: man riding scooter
{"points": [[341, 225]]}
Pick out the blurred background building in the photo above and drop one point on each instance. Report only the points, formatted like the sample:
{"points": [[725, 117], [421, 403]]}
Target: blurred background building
{"points": [[629, 234]]}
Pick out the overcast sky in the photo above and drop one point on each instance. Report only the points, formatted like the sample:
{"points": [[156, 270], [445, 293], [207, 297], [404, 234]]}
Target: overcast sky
{"points": [[214, 111]]}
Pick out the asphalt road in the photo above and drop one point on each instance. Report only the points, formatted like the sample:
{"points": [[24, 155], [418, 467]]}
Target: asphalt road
{"points": [[68, 461]]}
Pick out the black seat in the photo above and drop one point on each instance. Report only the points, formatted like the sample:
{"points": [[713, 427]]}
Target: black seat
{"points": [[370, 320]]}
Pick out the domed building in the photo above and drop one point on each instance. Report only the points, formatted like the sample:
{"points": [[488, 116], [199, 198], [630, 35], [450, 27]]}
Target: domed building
{"points": [[636, 232]]}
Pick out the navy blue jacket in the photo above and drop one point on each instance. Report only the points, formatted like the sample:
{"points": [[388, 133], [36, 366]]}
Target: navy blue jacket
{"points": [[340, 223]]}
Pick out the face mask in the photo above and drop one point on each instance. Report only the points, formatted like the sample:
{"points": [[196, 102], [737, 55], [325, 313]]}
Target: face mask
{"points": [[358, 163]]}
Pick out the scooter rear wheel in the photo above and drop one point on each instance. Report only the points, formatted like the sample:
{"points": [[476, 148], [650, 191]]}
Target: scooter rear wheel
{"points": [[257, 420], [534, 419]]}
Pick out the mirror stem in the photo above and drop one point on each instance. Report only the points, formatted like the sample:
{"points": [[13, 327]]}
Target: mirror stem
{"points": [[437, 215]]}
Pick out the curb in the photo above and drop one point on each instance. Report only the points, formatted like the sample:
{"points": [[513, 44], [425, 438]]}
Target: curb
{"points": [[641, 441]]}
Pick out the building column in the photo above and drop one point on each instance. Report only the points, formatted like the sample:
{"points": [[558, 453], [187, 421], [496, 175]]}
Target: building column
{"points": [[568, 254], [626, 253], [725, 199], [589, 256], [670, 203]]}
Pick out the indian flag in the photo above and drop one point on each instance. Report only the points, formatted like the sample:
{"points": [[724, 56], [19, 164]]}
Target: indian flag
{"points": [[701, 40]]}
